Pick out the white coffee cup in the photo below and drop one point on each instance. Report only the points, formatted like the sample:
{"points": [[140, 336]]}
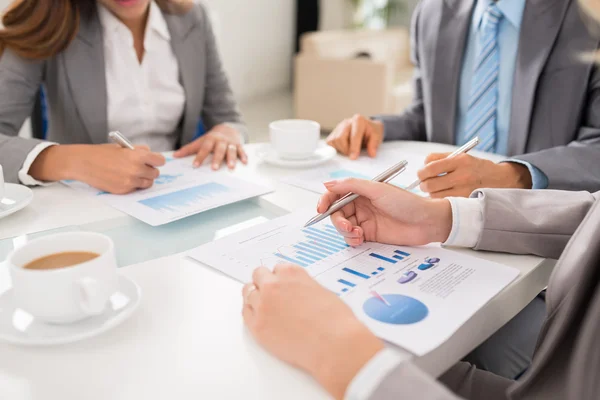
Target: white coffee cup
{"points": [[295, 139], [1, 183], [70, 294]]}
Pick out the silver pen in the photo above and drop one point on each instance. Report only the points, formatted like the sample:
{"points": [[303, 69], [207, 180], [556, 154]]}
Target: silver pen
{"points": [[384, 177], [121, 140], [470, 145]]}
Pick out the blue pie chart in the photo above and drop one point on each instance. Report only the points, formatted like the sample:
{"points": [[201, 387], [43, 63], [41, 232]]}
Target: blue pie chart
{"points": [[399, 310]]}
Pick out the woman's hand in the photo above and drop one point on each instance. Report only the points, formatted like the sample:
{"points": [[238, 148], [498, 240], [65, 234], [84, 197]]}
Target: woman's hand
{"points": [[223, 141], [387, 214], [107, 167], [302, 323]]}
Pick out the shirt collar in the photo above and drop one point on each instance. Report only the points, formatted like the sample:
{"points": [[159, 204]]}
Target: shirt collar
{"points": [[511, 9], [156, 21]]}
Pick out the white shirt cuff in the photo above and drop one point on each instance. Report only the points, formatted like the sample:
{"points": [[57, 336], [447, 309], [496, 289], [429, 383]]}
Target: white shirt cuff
{"points": [[370, 376], [24, 176], [467, 222]]}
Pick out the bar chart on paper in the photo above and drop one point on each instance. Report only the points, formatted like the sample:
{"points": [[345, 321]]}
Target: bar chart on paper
{"points": [[178, 192], [320, 249]]}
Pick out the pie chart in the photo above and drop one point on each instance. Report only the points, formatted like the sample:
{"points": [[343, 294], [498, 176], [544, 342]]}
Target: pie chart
{"points": [[396, 310]]}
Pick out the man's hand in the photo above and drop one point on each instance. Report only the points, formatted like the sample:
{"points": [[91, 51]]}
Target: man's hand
{"points": [[351, 135], [464, 173], [223, 141]]}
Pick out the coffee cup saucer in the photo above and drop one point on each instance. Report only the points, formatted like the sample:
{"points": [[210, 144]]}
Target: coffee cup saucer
{"points": [[20, 328], [324, 153], [16, 197]]}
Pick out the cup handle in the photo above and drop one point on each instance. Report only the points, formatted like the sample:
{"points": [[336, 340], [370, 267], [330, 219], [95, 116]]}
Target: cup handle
{"points": [[92, 302]]}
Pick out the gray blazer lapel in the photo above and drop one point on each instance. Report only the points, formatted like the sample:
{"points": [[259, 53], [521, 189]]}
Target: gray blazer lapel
{"points": [[448, 58], [85, 71], [541, 23], [187, 49]]}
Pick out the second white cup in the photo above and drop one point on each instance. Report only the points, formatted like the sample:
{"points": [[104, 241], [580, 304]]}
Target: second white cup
{"points": [[69, 294], [295, 139]]}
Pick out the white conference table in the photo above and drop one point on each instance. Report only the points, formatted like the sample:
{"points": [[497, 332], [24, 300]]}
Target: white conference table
{"points": [[187, 339]]}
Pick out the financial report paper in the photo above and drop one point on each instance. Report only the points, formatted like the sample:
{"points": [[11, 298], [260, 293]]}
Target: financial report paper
{"points": [[178, 192], [415, 297]]}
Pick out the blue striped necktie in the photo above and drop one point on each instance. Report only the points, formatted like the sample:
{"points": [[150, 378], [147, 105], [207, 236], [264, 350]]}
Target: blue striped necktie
{"points": [[483, 98]]}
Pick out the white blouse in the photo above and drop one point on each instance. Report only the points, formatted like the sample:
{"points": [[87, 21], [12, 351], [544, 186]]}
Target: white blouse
{"points": [[145, 101]]}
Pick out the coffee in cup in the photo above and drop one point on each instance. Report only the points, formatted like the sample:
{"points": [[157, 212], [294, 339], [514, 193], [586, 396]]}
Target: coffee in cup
{"points": [[64, 278], [61, 260], [295, 139]]}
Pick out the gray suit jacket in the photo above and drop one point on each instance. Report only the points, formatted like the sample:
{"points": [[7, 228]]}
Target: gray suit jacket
{"points": [[567, 358], [555, 115], [75, 86]]}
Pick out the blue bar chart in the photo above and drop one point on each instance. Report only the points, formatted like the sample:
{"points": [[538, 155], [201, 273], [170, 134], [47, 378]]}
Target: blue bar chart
{"points": [[185, 198], [319, 244]]}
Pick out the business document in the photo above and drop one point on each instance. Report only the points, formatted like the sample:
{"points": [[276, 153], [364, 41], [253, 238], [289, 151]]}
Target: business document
{"points": [[363, 168], [415, 297], [178, 192]]}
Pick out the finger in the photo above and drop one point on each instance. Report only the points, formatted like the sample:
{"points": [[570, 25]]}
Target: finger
{"points": [[341, 223], [153, 159], [262, 275], [142, 147], [248, 315], [435, 156], [326, 200], [369, 189], [440, 183], [251, 295], [242, 154], [189, 149], [145, 183], [232, 155], [373, 143], [147, 172], [356, 136], [205, 150], [218, 155], [342, 138], [436, 168]]}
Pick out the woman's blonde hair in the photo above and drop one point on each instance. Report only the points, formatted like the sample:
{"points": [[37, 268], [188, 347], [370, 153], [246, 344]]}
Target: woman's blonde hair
{"points": [[40, 29]]}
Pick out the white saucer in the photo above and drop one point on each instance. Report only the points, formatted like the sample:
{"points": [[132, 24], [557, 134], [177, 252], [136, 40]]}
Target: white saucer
{"points": [[16, 197], [19, 327], [323, 154]]}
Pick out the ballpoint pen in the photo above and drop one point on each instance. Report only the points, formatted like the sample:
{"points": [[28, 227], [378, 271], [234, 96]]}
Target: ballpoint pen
{"points": [[470, 145], [121, 140], [384, 177]]}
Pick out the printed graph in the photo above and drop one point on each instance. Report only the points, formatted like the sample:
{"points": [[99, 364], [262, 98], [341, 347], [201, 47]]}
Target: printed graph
{"points": [[185, 198], [395, 309], [319, 244], [164, 179]]}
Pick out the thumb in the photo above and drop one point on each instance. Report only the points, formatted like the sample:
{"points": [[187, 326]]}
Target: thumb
{"points": [[188, 149], [369, 189], [435, 157]]}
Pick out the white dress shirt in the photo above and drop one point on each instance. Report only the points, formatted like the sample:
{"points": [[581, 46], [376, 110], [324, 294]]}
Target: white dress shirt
{"points": [[467, 224], [145, 101]]}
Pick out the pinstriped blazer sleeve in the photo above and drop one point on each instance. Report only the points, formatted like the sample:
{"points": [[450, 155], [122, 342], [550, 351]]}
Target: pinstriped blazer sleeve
{"points": [[20, 81], [463, 381], [539, 222]]}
